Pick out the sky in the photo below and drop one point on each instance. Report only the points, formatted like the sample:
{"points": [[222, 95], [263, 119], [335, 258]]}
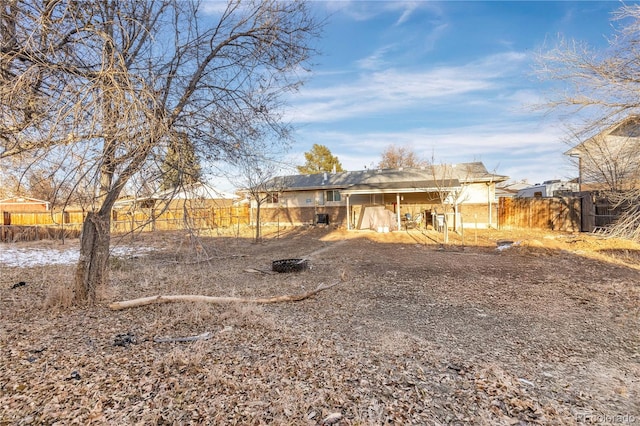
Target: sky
{"points": [[455, 81]]}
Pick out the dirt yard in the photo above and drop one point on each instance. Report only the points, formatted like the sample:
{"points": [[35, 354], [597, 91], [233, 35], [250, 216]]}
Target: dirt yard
{"points": [[541, 331]]}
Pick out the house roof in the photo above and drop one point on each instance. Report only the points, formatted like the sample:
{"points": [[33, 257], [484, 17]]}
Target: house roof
{"points": [[510, 189], [187, 192], [22, 200], [192, 191], [425, 179], [629, 128]]}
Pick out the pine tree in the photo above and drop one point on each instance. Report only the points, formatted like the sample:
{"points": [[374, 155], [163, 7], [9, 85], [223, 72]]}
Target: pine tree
{"points": [[319, 159], [181, 165]]}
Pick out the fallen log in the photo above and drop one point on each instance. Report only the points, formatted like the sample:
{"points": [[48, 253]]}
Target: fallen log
{"points": [[143, 301]]}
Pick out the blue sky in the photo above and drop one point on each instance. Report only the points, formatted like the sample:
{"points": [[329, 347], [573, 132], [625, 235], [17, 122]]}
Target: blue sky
{"points": [[453, 80]]}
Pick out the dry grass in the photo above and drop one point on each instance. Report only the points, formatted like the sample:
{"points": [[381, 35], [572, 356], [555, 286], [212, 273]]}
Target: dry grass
{"points": [[190, 357], [415, 334], [239, 315], [59, 296]]}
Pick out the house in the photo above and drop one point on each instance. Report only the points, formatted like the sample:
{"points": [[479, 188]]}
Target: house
{"points": [[194, 206], [197, 195], [361, 199], [23, 204], [549, 188], [510, 189], [610, 160], [20, 205]]}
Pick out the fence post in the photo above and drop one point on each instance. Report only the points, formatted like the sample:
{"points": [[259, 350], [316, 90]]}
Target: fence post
{"points": [[64, 218]]}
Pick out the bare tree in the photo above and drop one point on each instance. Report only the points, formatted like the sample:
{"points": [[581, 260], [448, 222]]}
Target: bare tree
{"points": [[42, 185], [110, 82], [610, 160], [602, 87], [256, 172], [9, 182], [395, 157], [628, 224], [449, 190]]}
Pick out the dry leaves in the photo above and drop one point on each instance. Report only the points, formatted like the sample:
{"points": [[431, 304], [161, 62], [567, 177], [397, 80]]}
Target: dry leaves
{"points": [[413, 336]]}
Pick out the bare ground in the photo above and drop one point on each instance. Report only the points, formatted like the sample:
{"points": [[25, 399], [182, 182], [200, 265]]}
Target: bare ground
{"points": [[543, 332]]}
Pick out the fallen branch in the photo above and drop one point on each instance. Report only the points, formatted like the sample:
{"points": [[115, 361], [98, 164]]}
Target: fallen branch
{"points": [[203, 336], [116, 306], [259, 271]]}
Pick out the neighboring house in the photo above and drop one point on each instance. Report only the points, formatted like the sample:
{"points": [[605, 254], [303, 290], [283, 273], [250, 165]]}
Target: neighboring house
{"points": [[509, 189], [195, 205], [610, 160], [20, 205], [24, 204], [549, 188], [196, 195], [383, 198]]}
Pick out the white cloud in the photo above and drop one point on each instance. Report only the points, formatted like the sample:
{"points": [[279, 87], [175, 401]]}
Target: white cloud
{"points": [[214, 7], [376, 60], [397, 90], [407, 11], [434, 36], [518, 149], [356, 10], [457, 111], [367, 10]]}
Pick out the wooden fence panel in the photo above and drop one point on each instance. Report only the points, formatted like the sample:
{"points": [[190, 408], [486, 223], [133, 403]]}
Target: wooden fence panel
{"points": [[16, 233], [34, 226], [558, 213]]}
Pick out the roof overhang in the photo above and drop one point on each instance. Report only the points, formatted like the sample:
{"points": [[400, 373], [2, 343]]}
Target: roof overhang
{"points": [[487, 179], [403, 187], [304, 188], [576, 151]]}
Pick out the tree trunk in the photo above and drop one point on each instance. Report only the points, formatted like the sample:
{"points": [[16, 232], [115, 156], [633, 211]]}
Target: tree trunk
{"points": [[258, 226], [92, 270]]}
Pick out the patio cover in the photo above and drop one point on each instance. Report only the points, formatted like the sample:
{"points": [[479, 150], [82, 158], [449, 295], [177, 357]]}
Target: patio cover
{"points": [[393, 187]]}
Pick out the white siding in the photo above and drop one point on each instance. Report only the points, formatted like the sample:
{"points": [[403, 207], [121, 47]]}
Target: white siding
{"points": [[476, 193], [305, 199]]}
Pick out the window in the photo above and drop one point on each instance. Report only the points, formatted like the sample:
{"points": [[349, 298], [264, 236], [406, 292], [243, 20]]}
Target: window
{"points": [[272, 198], [333, 195]]}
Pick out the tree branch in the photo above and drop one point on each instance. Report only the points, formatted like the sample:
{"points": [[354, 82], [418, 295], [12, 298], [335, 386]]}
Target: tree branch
{"points": [[143, 301]]}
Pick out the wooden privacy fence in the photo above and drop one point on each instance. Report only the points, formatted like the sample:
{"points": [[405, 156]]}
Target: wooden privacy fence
{"points": [[15, 233], [26, 226], [57, 225], [558, 213], [42, 218], [184, 218]]}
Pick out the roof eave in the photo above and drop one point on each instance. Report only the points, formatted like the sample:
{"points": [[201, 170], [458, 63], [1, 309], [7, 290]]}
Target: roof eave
{"points": [[397, 190], [308, 188], [487, 179]]}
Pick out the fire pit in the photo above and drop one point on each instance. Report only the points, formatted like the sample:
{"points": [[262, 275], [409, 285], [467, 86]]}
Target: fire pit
{"points": [[289, 265]]}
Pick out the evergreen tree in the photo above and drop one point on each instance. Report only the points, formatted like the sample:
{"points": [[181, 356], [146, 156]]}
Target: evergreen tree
{"points": [[319, 159], [181, 165]]}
